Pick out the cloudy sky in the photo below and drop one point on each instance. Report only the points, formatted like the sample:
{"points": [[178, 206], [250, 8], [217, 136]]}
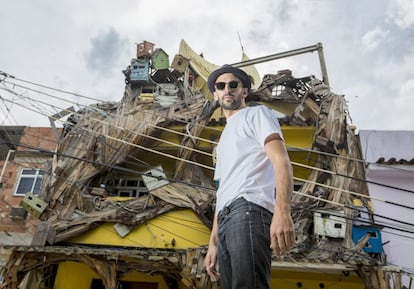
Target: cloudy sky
{"points": [[83, 46]]}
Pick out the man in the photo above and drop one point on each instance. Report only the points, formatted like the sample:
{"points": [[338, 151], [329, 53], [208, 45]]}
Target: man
{"points": [[253, 212]]}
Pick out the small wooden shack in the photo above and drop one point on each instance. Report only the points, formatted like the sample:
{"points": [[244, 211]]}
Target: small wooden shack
{"points": [[160, 60]]}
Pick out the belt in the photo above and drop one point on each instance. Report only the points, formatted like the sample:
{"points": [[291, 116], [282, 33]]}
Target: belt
{"points": [[227, 209]]}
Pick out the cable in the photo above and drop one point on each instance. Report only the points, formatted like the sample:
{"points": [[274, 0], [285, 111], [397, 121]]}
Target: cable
{"points": [[146, 148], [364, 196], [173, 131], [134, 132], [357, 194], [121, 116], [209, 154], [7, 113], [110, 166], [52, 88], [332, 213], [98, 100], [343, 157], [353, 193], [174, 234], [71, 93], [328, 202], [392, 226], [309, 196], [350, 177], [345, 191]]}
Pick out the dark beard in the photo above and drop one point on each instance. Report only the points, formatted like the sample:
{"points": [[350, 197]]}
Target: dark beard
{"points": [[234, 105]]}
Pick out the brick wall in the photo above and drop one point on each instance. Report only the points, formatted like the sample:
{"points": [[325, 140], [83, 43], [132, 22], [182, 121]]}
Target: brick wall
{"points": [[14, 231]]}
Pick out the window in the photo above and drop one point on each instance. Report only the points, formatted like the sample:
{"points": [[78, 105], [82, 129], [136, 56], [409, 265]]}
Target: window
{"points": [[129, 187], [29, 180]]}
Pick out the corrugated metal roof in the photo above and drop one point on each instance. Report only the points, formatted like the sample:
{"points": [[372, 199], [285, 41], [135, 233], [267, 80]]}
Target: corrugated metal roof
{"points": [[394, 161], [387, 146]]}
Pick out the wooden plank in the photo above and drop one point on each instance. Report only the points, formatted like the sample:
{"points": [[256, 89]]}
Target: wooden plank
{"points": [[44, 232]]}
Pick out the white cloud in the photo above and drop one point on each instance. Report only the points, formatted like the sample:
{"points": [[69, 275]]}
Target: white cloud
{"points": [[374, 38], [407, 89], [403, 13], [367, 44]]}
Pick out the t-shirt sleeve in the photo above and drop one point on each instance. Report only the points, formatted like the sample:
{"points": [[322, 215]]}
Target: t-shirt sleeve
{"points": [[265, 123]]}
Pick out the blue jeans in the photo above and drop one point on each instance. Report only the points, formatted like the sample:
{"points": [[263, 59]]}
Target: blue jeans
{"points": [[244, 254]]}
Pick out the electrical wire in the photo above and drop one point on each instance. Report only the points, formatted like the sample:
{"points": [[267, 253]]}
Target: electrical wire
{"points": [[361, 220], [349, 177], [151, 112], [144, 148], [346, 190], [353, 193], [211, 168], [98, 100], [203, 187], [350, 192], [121, 116], [132, 132], [329, 202], [364, 162], [335, 173], [198, 244]]}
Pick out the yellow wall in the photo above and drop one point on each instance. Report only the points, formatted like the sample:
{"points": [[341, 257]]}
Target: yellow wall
{"points": [[314, 280], [177, 229], [297, 136], [79, 276], [73, 275]]}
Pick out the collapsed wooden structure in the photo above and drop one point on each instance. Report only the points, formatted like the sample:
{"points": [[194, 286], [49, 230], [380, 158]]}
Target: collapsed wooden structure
{"points": [[98, 140]]}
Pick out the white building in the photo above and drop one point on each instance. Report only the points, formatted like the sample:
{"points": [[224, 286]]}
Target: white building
{"points": [[389, 157]]}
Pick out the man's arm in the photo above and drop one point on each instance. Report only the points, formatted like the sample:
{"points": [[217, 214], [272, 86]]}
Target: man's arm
{"points": [[210, 261], [282, 230]]}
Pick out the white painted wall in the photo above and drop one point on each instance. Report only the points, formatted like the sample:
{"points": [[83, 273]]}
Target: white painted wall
{"points": [[398, 245]]}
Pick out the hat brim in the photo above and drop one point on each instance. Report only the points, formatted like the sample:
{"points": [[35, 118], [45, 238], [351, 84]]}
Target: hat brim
{"points": [[244, 78]]}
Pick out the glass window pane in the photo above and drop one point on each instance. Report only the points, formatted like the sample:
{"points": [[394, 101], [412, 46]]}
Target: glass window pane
{"points": [[25, 186], [28, 172], [132, 183], [38, 184]]}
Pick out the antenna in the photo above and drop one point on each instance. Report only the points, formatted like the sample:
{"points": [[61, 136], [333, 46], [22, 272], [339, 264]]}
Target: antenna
{"points": [[241, 44]]}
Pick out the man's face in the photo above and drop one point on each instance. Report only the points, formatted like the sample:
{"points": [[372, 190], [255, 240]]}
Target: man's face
{"points": [[229, 92]]}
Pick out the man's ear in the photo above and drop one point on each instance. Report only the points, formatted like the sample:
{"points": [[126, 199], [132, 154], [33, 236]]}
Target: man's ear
{"points": [[245, 92], [215, 96]]}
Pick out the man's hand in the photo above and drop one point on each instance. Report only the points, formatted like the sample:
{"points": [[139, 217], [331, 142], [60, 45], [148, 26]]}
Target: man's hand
{"points": [[210, 262], [282, 234]]}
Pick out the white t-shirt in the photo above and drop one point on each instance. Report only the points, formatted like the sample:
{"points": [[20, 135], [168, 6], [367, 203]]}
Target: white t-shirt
{"points": [[243, 168]]}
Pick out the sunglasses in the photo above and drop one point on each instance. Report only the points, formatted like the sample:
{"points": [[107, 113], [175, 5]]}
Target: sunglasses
{"points": [[232, 84]]}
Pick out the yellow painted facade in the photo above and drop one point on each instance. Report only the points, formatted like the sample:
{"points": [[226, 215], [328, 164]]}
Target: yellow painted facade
{"points": [[315, 280], [77, 275], [173, 230], [74, 275], [187, 231]]}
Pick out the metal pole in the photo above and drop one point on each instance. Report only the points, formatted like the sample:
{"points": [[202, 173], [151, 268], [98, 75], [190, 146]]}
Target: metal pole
{"points": [[5, 164], [323, 64], [318, 47]]}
